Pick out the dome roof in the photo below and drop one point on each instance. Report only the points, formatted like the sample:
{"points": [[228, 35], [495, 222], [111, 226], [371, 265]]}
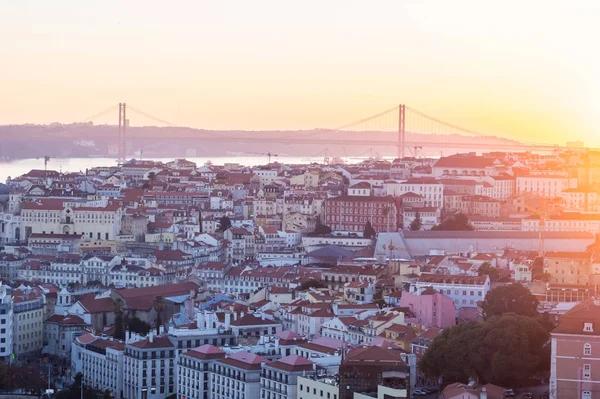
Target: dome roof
{"points": [[4, 189]]}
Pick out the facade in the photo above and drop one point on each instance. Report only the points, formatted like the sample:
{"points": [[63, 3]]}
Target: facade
{"points": [[29, 308], [237, 376], [59, 333], [568, 267], [574, 363], [279, 379], [431, 309], [6, 322], [347, 213], [193, 371], [364, 369], [313, 386], [149, 368], [544, 185], [100, 360], [465, 291]]}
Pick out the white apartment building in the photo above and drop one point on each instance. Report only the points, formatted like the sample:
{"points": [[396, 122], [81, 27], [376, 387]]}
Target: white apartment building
{"points": [[497, 187], [101, 361], [97, 268], [6, 323], [575, 198], [431, 190], [430, 216], [567, 221], [28, 314], [279, 379], [10, 227], [545, 185], [194, 369], [465, 291], [148, 366], [102, 221], [62, 270], [352, 242], [317, 387], [236, 376]]}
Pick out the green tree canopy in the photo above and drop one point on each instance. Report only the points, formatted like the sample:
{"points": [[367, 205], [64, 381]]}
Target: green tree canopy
{"points": [[224, 223], [495, 274], [505, 350], [417, 223], [512, 298], [369, 231], [321, 229], [458, 222], [138, 326]]}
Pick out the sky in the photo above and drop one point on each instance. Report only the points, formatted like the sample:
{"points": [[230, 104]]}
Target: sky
{"points": [[517, 69]]}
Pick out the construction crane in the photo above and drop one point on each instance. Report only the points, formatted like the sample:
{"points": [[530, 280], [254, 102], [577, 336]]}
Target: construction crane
{"points": [[47, 159], [268, 154], [543, 216]]}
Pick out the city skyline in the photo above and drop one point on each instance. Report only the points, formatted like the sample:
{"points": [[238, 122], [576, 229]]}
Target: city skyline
{"points": [[521, 72]]}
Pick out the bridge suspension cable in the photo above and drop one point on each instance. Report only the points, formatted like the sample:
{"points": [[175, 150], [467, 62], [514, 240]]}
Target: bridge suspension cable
{"points": [[100, 114], [147, 115]]}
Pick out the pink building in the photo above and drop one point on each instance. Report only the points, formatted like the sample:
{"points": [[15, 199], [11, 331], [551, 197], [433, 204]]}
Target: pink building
{"points": [[431, 309]]}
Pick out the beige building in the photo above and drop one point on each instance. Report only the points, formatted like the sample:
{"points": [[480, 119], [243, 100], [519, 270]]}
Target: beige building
{"points": [[575, 360], [568, 267], [29, 314]]}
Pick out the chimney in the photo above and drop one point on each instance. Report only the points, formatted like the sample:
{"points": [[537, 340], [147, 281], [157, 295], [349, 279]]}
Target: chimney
{"points": [[234, 316], [151, 336], [483, 394], [227, 319]]}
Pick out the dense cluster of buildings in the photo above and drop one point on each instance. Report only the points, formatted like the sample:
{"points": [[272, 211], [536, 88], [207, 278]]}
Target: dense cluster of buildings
{"points": [[156, 279]]}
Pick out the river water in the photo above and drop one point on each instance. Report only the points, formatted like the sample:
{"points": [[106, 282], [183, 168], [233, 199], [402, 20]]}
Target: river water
{"points": [[19, 167]]}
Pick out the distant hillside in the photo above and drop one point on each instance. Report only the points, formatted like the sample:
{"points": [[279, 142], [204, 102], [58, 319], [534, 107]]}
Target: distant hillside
{"points": [[87, 140]]}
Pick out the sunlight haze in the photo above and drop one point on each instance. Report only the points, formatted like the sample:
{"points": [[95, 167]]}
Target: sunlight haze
{"points": [[526, 70]]}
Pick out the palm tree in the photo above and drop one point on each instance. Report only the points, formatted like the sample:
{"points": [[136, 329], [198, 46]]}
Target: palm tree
{"points": [[159, 306]]}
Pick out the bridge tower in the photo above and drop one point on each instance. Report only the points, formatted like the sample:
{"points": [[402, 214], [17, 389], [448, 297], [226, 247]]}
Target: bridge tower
{"points": [[122, 149], [401, 130]]}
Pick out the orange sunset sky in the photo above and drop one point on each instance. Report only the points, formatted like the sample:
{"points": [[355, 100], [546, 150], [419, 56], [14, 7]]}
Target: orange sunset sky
{"points": [[519, 69]]}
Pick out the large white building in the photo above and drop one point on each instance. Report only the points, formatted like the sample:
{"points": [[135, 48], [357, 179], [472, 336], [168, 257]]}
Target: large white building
{"points": [[465, 291], [237, 376], [431, 190], [6, 322], [149, 368], [194, 369], [100, 360], [95, 220], [279, 379], [545, 185]]}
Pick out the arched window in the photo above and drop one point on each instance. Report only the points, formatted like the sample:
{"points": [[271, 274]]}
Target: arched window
{"points": [[587, 349], [586, 395]]}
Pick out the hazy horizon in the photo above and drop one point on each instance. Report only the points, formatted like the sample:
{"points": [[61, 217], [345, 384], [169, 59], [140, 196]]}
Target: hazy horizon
{"points": [[520, 70]]}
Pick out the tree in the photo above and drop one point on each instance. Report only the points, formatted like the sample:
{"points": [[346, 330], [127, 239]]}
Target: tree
{"points": [[159, 306], [138, 326], [505, 350], [513, 298], [119, 319], [417, 223], [458, 222], [369, 231], [224, 223], [495, 274], [321, 229], [537, 268]]}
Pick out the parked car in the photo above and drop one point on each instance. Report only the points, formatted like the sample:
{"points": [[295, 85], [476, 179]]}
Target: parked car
{"points": [[528, 395], [419, 392], [509, 393]]}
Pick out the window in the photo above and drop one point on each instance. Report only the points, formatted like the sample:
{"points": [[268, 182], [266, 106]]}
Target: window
{"points": [[588, 327], [587, 371], [587, 349]]}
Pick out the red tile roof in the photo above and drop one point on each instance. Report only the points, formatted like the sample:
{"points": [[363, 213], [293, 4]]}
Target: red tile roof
{"points": [[66, 320], [292, 364], [160, 341], [244, 360], [205, 352]]}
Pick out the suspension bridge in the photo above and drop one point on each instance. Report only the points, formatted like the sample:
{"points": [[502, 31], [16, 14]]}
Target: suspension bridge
{"points": [[400, 127]]}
